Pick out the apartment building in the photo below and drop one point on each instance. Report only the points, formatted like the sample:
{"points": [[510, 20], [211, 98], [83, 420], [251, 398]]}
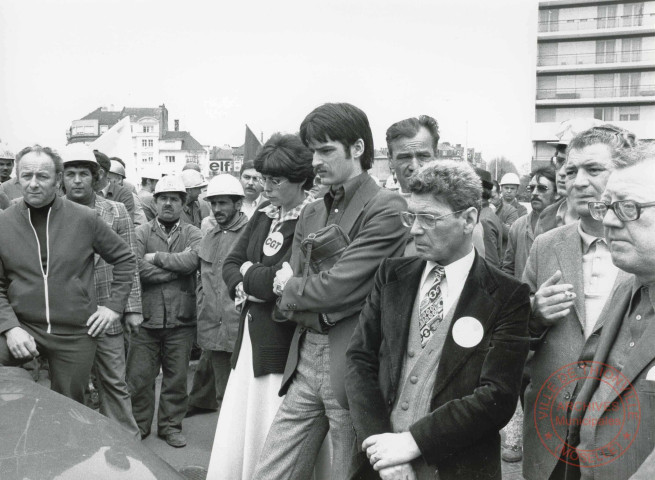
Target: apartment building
{"points": [[595, 58]]}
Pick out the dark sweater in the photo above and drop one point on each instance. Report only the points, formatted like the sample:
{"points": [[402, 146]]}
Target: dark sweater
{"points": [[270, 340]]}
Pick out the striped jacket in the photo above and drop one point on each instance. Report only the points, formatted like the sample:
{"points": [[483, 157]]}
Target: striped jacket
{"points": [[116, 216]]}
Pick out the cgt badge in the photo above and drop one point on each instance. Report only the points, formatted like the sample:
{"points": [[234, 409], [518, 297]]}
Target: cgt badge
{"points": [[467, 332]]}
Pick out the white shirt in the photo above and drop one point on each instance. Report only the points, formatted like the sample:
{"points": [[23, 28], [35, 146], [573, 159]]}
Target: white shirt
{"points": [[249, 207], [453, 281], [599, 274]]}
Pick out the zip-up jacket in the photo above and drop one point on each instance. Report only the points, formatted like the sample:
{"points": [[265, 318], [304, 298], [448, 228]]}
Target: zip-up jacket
{"points": [[61, 299], [168, 284]]}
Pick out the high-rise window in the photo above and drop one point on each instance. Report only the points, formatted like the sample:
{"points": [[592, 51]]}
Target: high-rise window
{"points": [[631, 49], [605, 114], [605, 51], [629, 114]]}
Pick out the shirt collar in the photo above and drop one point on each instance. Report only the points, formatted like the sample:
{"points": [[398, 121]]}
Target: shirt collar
{"points": [[175, 226], [348, 189], [273, 212], [636, 285], [457, 271], [587, 240]]}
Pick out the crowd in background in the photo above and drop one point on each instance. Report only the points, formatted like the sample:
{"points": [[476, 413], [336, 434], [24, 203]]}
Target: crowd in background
{"points": [[348, 329]]}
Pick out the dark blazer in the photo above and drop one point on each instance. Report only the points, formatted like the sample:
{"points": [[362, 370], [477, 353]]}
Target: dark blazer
{"points": [[637, 460], [476, 388], [270, 340], [340, 292]]}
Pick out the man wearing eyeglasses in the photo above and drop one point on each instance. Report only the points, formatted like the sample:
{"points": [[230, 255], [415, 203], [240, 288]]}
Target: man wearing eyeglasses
{"points": [[571, 274], [522, 232], [435, 363], [626, 343]]}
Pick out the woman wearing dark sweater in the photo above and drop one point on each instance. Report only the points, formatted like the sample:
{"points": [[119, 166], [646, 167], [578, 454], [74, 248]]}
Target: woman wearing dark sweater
{"points": [[251, 398]]}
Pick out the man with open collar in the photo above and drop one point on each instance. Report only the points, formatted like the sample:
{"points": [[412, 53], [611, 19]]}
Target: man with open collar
{"points": [[570, 272], [327, 306], [616, 441], [434, 365]]}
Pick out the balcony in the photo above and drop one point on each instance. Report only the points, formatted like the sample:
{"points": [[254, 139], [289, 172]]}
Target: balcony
{"points": [[643, 94], [597, 27], [599, 61]]}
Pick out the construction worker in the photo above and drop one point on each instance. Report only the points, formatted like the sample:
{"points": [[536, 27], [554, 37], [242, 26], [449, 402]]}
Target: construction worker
{"points": [[218, 319], [80, 175], [193, 182], [168, 260], [149, 179]]}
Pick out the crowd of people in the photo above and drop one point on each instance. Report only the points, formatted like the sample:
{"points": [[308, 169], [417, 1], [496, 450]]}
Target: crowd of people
{"points": [[347, 329]]}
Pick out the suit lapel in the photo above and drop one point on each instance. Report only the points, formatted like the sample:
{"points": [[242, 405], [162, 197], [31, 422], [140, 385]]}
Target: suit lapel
{"points": [[475, 301], [355, 207], [642, 353], [569, 257], [398, 302]]}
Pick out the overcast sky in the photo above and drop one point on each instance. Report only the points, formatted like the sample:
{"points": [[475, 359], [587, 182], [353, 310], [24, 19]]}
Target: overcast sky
{"points": [[220, 65]]}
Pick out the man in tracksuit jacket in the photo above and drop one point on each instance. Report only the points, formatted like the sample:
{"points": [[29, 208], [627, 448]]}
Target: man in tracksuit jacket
{"points": [[47, 295]]}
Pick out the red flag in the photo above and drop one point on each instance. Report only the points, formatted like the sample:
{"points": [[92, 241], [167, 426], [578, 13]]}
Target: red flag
{"points": [[251, 146]]}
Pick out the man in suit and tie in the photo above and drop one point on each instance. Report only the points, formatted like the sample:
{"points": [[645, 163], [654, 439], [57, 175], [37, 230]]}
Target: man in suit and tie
{"points": [[435, 363], [326, 304], [570, 272], [626, 343]]}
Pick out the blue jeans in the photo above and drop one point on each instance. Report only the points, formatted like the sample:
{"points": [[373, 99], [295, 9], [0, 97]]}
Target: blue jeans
{"points": [[307, 412], [151, 348]]}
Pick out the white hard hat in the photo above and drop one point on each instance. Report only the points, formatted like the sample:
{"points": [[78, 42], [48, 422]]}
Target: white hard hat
{"points": [[193, 179], [6, 153], [570, 128], [151, 172], [224, 184], [78, 152], [117, 168], [170, 183], [510, 179]]}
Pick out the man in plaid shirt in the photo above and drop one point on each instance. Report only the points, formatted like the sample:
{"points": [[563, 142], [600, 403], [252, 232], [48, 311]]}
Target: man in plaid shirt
{"points": [[80, 175]]}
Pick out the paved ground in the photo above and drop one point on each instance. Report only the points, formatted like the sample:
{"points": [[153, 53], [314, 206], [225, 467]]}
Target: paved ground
{"points": [[199, 431]]}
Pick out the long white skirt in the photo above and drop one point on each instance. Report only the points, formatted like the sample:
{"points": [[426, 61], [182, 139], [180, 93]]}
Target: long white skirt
{"points": [[248, 409]]}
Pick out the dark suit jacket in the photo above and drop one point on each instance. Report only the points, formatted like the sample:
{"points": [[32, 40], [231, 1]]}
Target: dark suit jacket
{"points": [[638, 458], [476, 388], [341, 291]]}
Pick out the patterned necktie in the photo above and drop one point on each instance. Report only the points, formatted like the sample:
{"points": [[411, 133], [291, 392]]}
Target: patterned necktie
{"points": [[431, 306]]}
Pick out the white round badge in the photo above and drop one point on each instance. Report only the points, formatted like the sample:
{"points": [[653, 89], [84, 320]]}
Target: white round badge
{"points": [[273, 244], [467, 332]]}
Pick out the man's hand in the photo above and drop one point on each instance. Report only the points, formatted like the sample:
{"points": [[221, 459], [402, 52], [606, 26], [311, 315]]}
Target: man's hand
{"points": [[282, 276], [552, 302], [101, 320], [149, 257], [390, 449], [404, 471], [132, 322], [21, 344]]}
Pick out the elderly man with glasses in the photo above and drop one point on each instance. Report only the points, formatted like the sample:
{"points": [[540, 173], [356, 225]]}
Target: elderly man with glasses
{"points": [[626, 342], [571, 275], [435, 364]]}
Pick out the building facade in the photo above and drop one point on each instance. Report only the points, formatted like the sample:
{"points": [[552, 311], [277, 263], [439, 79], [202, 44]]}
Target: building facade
{"points": [[595, 59], [153, 144]]}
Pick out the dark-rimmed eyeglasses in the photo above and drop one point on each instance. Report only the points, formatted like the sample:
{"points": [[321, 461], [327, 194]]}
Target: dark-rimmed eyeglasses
{"points": [[625, 210], [539, 188], [275, 182], [426, 221]]}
